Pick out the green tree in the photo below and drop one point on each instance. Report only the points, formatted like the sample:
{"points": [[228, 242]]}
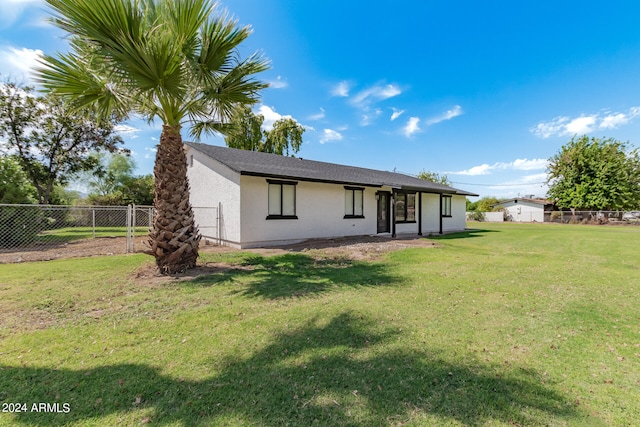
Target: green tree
{"points": [[15, 187], [114, 183], [485, 204], [111, 174], [285, 135], [51, 142], [434, 177], [138, 190], [176, 61], [595, 174], [244, 131], [19, 225]]}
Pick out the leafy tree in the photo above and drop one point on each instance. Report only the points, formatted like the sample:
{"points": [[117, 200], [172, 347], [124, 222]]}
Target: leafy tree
{"points": [[114, 183], [489, 204], [15, 187], [595, 174], [138, 190], [61, 195], [286, 134], [19, 225], [470, 206], [162, 59], [434, 177], [51, 142], [111, 173], [244, 131], [485, 204]]}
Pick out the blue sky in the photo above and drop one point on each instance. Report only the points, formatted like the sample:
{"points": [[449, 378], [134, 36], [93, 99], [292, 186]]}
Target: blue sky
{"points": [[484, 92]]}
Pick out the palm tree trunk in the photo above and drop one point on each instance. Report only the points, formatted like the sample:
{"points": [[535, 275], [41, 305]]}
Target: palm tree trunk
{"points": [[174, 238]]}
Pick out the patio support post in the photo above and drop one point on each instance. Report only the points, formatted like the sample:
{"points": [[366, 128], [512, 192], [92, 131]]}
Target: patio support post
{"points": [[420, 213], [441, 213], [393, 213]]}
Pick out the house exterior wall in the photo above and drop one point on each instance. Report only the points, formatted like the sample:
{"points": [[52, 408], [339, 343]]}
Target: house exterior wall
{"points": [[430, 213], [320, 208], [524, 211], [214, 185], [458, 219], [240, 204]]}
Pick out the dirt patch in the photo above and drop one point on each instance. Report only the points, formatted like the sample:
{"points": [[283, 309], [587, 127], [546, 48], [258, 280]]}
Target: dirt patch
{"points": [[360, 248], [99, 246]]}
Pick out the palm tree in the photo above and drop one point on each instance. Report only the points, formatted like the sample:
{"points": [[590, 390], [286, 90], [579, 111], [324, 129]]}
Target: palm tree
{"points": [[176, 61]]}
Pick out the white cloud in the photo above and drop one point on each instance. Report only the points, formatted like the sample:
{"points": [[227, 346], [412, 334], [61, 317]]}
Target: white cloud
{"points": [[12, 10], [447, 115], [278, 83], [615, 120], [580, 125], [341, 89], [329, 135], [552, 127], [317, 116], [375, 93], [518, 164], [368, 118], [126, 130], [18, 64], [585, 123], [523, 164], [476, 170], [270, 116], [396, 113], [411, 127]]}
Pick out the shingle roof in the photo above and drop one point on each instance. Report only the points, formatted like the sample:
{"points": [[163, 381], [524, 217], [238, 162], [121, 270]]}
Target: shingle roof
{"points": [[276, 166]]}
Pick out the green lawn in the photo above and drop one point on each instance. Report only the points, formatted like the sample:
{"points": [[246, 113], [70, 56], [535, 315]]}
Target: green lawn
{"points": [[69, 234], [505, 325]]}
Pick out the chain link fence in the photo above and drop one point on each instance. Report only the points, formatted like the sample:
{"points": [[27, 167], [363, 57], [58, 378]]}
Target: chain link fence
{"points": [[36, 232], [593, 217]]}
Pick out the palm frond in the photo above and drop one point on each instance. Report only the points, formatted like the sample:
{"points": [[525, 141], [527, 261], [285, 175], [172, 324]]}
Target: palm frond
{"points": [[165, 58]]}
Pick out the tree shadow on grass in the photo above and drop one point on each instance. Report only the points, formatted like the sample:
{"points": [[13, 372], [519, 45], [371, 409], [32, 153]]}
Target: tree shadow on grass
{"points": [[298, 275], [472, 232], [344, 372]]}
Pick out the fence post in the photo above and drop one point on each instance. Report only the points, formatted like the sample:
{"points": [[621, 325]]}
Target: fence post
{"points": [[128, 228], [93, 222], [133, 229]]}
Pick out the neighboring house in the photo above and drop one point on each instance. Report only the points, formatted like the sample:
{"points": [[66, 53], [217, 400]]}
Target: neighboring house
{"points": [[528, 209], [267, 199]]}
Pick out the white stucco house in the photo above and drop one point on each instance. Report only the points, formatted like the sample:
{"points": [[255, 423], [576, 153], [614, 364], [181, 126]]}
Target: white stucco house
{"points": [[266, 199], [527, 209]]}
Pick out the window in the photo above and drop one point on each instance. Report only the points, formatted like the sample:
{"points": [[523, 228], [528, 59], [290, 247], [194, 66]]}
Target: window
{"points": [[446, 206], [282, 200], [405, 207], [353, 202]]}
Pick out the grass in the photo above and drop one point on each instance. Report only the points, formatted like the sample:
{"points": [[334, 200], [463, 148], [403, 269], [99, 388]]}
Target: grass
{"points": [[512, 324], [69, 234]]}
